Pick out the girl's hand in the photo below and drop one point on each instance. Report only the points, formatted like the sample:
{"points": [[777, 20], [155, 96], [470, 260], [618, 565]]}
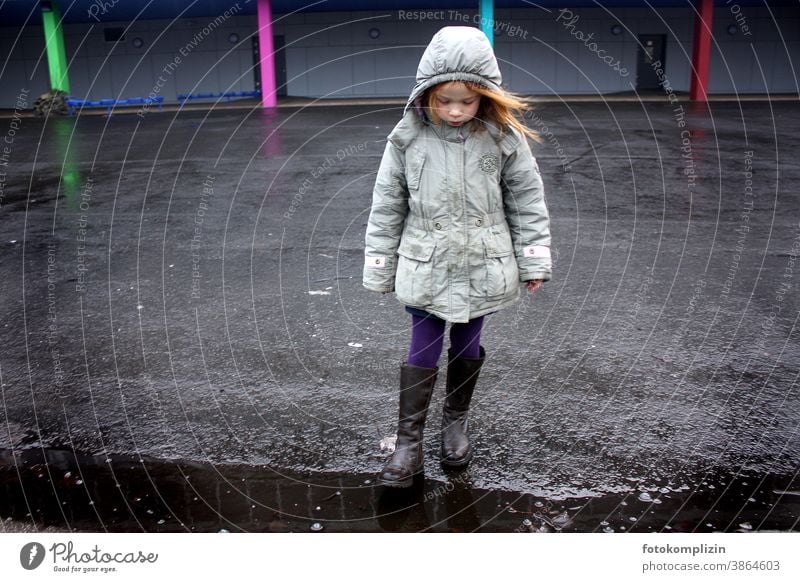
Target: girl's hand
{"points": [[532, 286]]}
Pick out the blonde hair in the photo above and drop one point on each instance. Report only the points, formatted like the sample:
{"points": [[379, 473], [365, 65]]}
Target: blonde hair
{"points": [[499, 107]]}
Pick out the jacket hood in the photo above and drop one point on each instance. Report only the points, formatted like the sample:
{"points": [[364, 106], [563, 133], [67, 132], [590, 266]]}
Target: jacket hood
{"points": [[456, 53]]}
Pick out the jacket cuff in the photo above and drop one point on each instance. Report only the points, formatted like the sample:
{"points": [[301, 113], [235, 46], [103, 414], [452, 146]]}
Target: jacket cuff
{"points": [[379, 272], [530, 276], [539, 268], [378, 289]]}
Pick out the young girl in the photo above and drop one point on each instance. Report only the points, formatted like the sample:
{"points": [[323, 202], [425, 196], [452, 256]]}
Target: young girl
{"points": [[458, 222]]}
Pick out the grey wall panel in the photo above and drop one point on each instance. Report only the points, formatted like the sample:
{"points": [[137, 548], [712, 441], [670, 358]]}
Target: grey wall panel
{"points": [[93, 45], [247, 82], [129, 79], [597, 76], [15, 80], [789, 23], [567, 66], [535, 68], [36, 73], [342, 35], [134, 30], [364, 74], [198, 76], [738, 59], [419, 34], [758, 23], [79, 76], [547, 30], [732, 71], [296, 66], [246, 22], [37, 79], [8, 41], [104, 77], [784, 76], [761, 68], [317, 18], [391, 34], [32, 47], [306, 35], [330, 71], [179, 37], [229, 71], [99, 79], [591, 72], [503, 53], [679, 71], [396, 71], [221, 37]]}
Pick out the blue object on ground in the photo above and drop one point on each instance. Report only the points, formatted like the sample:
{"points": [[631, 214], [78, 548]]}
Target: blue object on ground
{"points": [[228, 96], [74, 104]]}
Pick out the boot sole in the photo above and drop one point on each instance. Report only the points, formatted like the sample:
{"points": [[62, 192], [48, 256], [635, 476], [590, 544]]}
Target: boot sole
{"points": [[458, 463], [404, 484]]}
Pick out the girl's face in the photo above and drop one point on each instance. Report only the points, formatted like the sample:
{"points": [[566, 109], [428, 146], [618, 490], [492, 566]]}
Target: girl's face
{"points": [[455, 103]]}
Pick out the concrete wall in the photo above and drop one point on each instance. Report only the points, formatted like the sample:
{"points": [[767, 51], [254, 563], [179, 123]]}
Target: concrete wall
{"points": [[760, 57], [537, 55], [209, 62], [333, 54], [540, 52], [26, 64]]}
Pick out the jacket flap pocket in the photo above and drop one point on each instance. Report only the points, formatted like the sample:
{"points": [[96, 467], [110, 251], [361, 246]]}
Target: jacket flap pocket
{"points": [[417, 249], [496, 246]]}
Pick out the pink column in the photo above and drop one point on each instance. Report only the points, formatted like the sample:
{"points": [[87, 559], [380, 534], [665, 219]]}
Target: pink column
{"points": [[266, 54], [701, 50]]}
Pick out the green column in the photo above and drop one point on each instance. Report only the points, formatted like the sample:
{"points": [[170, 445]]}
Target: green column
{"points": [[54, 43], [487, 19]]}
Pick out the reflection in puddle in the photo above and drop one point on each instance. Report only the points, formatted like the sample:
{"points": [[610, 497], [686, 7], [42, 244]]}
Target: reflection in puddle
{"points": [[68, 491]]}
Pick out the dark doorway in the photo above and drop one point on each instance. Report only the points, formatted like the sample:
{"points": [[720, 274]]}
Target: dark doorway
{"points": [[278, 43], [651, 50]]}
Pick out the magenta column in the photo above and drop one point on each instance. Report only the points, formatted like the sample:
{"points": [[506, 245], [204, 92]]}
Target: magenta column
{"points": [[266, 54]]}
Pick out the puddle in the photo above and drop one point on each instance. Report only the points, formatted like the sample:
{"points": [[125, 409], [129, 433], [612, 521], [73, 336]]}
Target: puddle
{"points": [[62, 490]]}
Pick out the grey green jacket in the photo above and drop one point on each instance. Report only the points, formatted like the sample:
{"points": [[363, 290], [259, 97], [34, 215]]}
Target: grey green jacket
{"points": [[458, 215]]}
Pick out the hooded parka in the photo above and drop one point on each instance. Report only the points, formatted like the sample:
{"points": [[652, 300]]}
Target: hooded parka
{"points": [[458, 216]]}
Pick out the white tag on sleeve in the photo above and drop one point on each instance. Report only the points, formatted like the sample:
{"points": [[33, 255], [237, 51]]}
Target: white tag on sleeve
{"points": [[537, 251], [375, 262]]}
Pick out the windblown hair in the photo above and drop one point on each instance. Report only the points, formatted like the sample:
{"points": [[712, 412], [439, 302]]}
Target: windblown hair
{"points": [[500, 107]]}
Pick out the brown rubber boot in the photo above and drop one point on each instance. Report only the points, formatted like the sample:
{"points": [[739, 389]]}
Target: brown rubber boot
{"points": [[416, 387], [462, 375]]}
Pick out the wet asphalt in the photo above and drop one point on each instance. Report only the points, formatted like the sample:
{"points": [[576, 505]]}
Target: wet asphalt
{"points": [[187, 345]]}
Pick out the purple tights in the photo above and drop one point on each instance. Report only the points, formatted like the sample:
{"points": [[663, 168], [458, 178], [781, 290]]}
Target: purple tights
{"points": [[427, 340]]}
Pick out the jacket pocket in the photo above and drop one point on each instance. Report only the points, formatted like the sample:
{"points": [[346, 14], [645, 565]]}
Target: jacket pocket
{"points": [[501, 274], [415, 161], [414, 279]]}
